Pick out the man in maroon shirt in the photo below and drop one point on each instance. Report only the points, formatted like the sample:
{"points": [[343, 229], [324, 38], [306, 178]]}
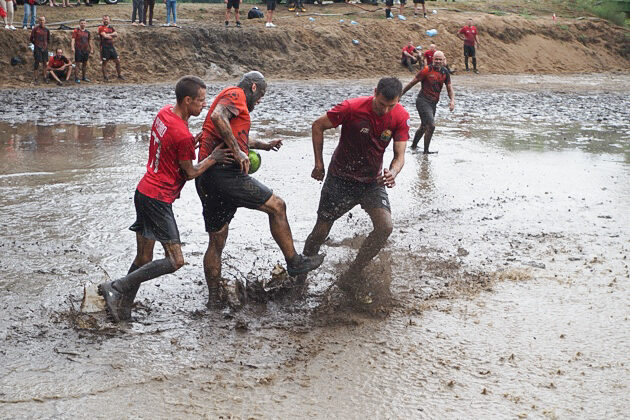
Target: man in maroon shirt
{"points": [[59, 67], [108, 35], [171, 152], [433, 77], [468, 34], [40, 37], [356, 174], [82, 49]]}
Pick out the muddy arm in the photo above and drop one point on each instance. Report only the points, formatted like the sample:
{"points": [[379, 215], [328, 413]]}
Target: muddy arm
{"points": [[411, 84], [219, 155], [451, 95], [221, 119], [317, 129]]}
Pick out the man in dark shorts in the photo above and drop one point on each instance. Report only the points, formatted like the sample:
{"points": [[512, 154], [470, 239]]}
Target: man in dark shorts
{"points": [[388, 9], [107, 35], [356, 174], [82, 49], [433, 77], [271, 6], [410, 56], [171, 152], [468, 34], [40, 37], [232, 4], [224, 188], [59, 67], [415, 8]]}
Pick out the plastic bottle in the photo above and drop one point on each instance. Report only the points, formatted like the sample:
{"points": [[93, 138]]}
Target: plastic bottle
{"points": [[432, 32], [353, 22], [31, 46], [355, 41], [311, 19]]}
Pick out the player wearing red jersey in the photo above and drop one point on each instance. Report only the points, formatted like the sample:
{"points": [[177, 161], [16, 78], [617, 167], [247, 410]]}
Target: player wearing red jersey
{"points": [[356, 174], [108, 35], [59, 67], [225, 188], [468, 34], [171, 152], [433, 77], [82, 49]]}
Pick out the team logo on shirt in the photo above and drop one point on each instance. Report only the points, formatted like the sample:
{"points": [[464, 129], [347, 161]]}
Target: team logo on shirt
{"points": [[386, 135]]}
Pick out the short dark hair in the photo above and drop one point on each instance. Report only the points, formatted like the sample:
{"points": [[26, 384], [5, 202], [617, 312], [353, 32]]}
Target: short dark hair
{"points": [[389, 87], [188, 86], [82, 20]]}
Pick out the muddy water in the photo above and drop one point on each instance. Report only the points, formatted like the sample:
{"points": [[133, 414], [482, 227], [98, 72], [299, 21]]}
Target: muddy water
{"points": [[508, 265]]}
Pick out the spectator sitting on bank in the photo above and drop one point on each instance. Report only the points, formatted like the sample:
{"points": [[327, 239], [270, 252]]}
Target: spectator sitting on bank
{"points": [[59, 67], [410, 56]]}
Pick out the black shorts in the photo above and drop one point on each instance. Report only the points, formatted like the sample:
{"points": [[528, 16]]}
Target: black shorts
{"points": [[340, 195], [233, 3], [469, 50], [60, 73], [426, 110], [223, 189], [418, 1], [271, 4], [41, 56], [403, 2], [81, 56], [405, 59], [108, 52], [389, 3], [155, 219]]}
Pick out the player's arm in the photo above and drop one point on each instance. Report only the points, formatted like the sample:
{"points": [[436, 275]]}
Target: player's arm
{"points": [[411, 84], [320, 125], [219, 155], [274, 145], [221, 119], [476, 40], [389, 175], [451, 95], [71, 43]]}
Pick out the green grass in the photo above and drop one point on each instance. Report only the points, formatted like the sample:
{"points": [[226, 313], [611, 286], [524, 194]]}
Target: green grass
{"points": [[607, 9]]}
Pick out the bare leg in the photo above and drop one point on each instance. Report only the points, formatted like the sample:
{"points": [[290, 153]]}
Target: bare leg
{"points": [[117, 61], [212, 263], [276, 208], [68, 74], [317, 237], [103, 65], [54, 76], [428, 135], [382, 223], [418, 136]]}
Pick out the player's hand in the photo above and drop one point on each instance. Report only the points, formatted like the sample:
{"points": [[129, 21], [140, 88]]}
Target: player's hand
{"points": [[388, 178], [243, 161], [274, 145], [198, 140], [221, 155], [451, 105], [318, 172]]}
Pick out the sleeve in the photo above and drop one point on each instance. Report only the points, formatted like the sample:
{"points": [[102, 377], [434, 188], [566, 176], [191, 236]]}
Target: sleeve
{"points": [[340, 113], [234, 101], [74, 34], [185, 147], [422, 74], [461, 31], [100, 30], [401, 132], [447, 79]]}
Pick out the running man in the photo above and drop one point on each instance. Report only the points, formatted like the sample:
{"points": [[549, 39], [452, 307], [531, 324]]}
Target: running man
{"points": [[82, 49], [433, 77], [225, 188], [171, 152], [468, 34], [108, 35], [232, 4], [356, 174]]}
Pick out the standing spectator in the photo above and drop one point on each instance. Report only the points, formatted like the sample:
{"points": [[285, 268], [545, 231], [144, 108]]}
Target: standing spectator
{"points": [[59, 67], [40, 37], [30, 12], [7, 5], [52, 3], [271, 6], [410, 56], [171, 7], [296, 5], [415, 8], [468, 34], [388, 9], [232, 4], [87, 3], [108, 52], [148, 6], [137, 8], [82, 49]]}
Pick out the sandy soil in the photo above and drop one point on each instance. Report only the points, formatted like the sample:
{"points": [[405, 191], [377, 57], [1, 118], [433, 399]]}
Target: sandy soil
{"points": [[513, 40]]}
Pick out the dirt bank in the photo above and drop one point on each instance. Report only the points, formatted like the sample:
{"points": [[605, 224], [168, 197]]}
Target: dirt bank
{"points": [[300, 48]]}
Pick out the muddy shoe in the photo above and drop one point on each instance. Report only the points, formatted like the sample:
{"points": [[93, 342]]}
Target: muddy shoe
{"points": [[114, 302], [303, 264]]}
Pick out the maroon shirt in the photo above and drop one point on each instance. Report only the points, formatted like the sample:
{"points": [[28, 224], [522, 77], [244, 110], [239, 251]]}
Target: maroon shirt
{"points": [[364, 138], [40, 37], [81, 39], [433, 78]]}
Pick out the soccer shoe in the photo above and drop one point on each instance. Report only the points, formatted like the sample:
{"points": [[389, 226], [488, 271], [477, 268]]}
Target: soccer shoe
{"points": [[292, 9], [114, 301], [303, 264]]}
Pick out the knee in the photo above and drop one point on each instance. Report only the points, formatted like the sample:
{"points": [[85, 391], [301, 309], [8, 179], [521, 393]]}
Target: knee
{"points": [[177, 261], [384, 229], [278, 206]]}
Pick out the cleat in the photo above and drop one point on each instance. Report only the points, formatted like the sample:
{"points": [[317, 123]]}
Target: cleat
{"points": [[303, 264], [292, 9], [114, 302]]}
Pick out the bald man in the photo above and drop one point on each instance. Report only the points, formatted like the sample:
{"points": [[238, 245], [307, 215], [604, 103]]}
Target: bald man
{"points": [[433, 78]]}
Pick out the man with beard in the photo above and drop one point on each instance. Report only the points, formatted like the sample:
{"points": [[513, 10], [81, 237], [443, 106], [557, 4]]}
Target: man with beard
{"points": [[82, 49], [224, 188], [433, 77], [108, 35]]}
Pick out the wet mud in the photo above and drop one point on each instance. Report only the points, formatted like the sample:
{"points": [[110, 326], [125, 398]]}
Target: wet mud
{"points": [[507, 270]]}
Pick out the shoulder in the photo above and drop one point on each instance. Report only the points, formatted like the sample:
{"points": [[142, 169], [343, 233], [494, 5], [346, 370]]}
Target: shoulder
{"points": [[400, 114]]}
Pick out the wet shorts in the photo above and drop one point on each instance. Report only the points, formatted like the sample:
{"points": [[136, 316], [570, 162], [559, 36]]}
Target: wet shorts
{"points": [[271, 4], [233, 3], [469, 50], [426, 110], [155, 219], [223, 189], [81, 56], [41, 56], [108, 52], [340, 195], [418, 1], [60, 73]]}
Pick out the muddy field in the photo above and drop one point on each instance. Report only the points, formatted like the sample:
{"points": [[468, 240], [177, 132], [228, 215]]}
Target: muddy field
{"points": [[508, 264]]}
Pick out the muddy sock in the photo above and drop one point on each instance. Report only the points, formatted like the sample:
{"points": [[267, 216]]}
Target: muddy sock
{"points": [[466, 62], [474, 63], [133, 268], [131, 282]]}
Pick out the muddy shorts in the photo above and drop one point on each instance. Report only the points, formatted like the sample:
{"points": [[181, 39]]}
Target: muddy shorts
{"points": [[155, 219], [271, 4], [469, 50], [426, 110], [418, 1], [223, 189], [233, 3], [81, 56], [108, 52], [41, 56], [60, 74], [340, 195]]}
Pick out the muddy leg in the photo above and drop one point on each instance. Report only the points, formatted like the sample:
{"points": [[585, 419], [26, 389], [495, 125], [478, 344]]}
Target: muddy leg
{"points": [[427, 138], [418, 136], [276, 208], [212, 264]]}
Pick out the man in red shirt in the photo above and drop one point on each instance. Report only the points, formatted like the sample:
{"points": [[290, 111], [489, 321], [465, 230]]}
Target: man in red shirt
{"points": [[82, 49], [40, 37], [59, 67], [356, 174], [410, 56], [224, 188], [468, 34], [433, 77], [428, 55], [171, 152], [108, 35]]}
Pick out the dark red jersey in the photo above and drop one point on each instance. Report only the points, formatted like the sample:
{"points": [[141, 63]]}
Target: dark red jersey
{"points": [[170, 142], [428, 56], [104, 41], [433, 78], [233, 98], [81, 39], [56, 61], [364, 138], [470, 32], [409, 49], [40, 37]]}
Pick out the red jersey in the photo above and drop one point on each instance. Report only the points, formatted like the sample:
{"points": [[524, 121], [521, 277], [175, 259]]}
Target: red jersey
{"points": [[470, 32], [433, 78], [56, 62], [104, 41], [81, 39], [233, 98], [409, 49], [364, 138], [40, 37], [170, 142], [428, 56]]}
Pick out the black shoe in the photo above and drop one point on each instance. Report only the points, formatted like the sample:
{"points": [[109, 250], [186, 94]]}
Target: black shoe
{"points": [[115, 302], [121, 77], [105, 79], [238, 24], [86, 80], [303, 264], [227, 23], [59, 84], [476, 71]]}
